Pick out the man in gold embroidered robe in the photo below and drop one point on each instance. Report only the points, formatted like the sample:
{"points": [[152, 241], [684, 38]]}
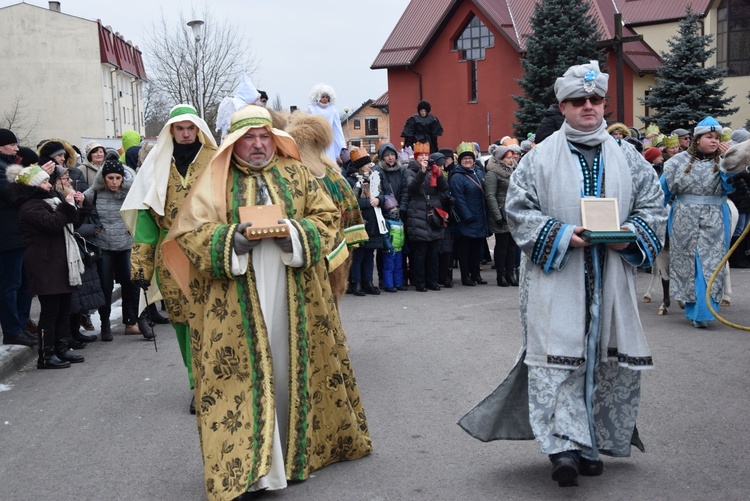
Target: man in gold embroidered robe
{"points": [[276, 394], [184, 148]]}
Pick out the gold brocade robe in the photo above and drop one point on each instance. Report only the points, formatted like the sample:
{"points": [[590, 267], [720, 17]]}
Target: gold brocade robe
{"points": [[232, 362], [151, 229]]}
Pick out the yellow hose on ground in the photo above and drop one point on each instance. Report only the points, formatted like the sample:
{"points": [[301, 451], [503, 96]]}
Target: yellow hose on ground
{"points": [[720, 269]]}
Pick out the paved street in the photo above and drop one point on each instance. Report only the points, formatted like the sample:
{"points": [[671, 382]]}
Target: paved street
{"points": [[117, 426]]}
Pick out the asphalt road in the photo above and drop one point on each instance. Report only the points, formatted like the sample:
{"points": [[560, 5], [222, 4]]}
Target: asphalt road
{"points": [[117, 426]]}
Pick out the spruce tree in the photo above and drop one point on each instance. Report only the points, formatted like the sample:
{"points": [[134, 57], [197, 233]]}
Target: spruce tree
{"points": [[564, 33], [686, 89]]}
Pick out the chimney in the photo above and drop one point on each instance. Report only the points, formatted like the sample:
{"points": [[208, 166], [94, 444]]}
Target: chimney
{"points": [[54, 6]]}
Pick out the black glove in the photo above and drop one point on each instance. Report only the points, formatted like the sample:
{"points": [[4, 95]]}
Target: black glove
{"points": [[741, 194], [142, 283], [240, 243], [286, 242]]}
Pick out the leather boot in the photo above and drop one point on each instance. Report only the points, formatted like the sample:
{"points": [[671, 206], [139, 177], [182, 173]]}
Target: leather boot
{"points": [[47, 358], [511, 279], [156, 317], [75, 331], [358, 291], [502, 280], [106, 330], [63, 351], [144, 327], [370, 288]]}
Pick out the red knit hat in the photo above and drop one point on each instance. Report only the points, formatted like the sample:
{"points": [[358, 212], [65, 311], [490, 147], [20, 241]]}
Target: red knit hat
{"points": [[652, 154]]}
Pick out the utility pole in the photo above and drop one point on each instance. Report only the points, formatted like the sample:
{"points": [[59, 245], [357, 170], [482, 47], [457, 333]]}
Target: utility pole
{"points": [[617, 46]]}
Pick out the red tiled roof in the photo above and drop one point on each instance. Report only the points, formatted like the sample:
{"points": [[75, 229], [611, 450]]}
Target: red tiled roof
{"points": [[113, 49], [422, 20], [381, 102]]}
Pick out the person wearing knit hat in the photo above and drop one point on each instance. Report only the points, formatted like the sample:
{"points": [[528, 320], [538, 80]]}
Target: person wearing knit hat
{"points": [[467, 188], [653, 155], [394, 180], [403, 157], [15, 301], [740, 135], [183, 149], [526, 146], [273, 291], [499, 169], [699, 219], [27, 156], [422, 127], [53, 264], [571, 287]]}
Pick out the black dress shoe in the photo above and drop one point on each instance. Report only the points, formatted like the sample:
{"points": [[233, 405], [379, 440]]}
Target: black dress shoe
{"points": [[480, 281], [565, 472], [468, 283], [69, 356], [590, 468], [421, 289], [369, 288], [502, 282], [448, 285], [83, 338], [403, 287], [433, 287]]}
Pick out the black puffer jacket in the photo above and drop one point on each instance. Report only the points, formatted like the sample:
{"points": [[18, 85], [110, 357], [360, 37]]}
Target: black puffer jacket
{"points": [[375, 240], [552, 121], [12, 236], [422, 196]]}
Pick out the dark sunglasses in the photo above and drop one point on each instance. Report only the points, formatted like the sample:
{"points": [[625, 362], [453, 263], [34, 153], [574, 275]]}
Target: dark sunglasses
{"points": [[577, 102]]}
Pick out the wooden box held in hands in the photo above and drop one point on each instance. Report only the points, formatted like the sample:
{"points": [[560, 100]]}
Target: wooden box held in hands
{"points": [[601, 219], [265, 219]]}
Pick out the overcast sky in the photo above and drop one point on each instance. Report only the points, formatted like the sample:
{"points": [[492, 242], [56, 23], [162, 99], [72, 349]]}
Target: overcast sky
{"points": [[298, 43]]}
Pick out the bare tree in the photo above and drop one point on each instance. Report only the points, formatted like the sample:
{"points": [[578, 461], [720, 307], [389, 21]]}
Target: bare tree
{"points": [[183, 71], [155, 110], [19, 119], [277, 106]]}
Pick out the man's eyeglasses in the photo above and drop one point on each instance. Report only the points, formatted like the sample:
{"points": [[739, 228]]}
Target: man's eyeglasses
{"points": [[577, 102]]}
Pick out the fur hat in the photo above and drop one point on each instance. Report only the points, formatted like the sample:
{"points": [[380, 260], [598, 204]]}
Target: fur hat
{"points": [[112, 167], [91, 146], [424, 105], [51, 149], [447, 152], [438, 159], [360, 157], [621, 128], [421, 149], [32, 175], [54, 146], [321, 89], [464, 149], [7, 137], [652, 154]]}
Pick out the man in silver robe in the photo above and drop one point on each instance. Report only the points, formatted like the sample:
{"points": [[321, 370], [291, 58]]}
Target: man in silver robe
{"points": [[575, 387]]}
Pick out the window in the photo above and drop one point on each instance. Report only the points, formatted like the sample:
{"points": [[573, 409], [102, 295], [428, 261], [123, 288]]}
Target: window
{"points": [[357, 124], [474, 39], [371, 126], [733, 37]]}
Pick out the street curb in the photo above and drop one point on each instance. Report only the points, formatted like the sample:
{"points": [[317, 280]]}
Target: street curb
{"points": [[13, 358]]}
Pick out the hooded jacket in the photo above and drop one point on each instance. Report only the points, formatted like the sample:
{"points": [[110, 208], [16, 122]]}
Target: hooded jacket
{"points": [[469, 202], [114, 235], [497, 182]]}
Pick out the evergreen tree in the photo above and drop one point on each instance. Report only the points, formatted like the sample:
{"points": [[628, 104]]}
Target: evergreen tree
{"points": [[686, 89], [747, 124], [564, 33]]}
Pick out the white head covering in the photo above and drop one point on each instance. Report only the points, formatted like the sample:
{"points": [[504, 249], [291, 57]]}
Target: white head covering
{"points": [[149, 189], [244, 94], [580, 81]]}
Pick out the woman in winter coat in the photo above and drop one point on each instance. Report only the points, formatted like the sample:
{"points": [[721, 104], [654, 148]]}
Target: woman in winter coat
{"points": [[65, 157], [365, 180], [95, 155], [108, 193], [467, 188], [500, 166], [428, 190], [52, 262]]}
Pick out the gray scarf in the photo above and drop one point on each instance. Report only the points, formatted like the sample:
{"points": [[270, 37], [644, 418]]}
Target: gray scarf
{"points": [[592, 138], [75, 264]]}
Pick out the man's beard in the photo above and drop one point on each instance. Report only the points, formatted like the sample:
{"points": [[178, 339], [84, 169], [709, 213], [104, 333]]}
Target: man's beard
{"points": [[258, 163]]}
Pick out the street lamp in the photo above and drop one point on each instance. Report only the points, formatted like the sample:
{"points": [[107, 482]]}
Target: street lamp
{"points": [[197, 27]]}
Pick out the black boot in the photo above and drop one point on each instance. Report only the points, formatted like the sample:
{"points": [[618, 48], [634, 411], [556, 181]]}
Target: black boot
{"points": [[63, 352], [511, 279], [106, 330], [76, 334], [369, 288], [358, 291], [156, 317], [502, 280], [350, 289], [47, 358]]}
